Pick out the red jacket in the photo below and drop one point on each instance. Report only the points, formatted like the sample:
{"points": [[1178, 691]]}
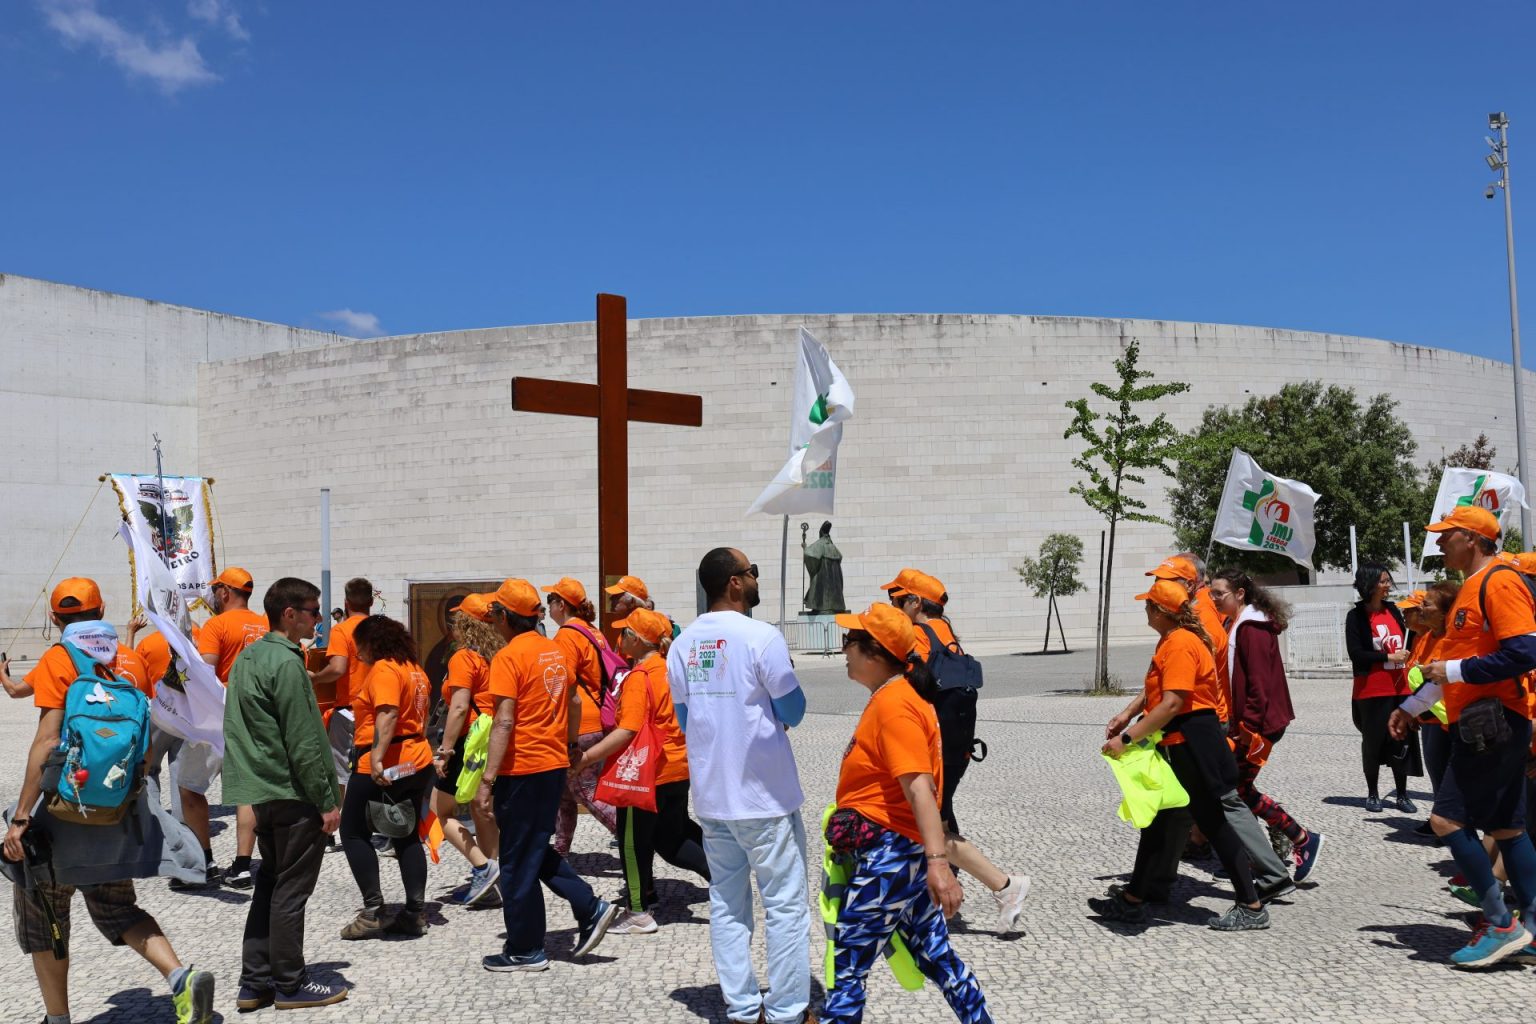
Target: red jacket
{"points": [[1261, 697]]}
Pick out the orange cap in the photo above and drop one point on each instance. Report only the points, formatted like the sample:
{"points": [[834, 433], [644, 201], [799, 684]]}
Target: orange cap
{"points": [[647, 625], [1468, 517], [476, 606], [926, 587], [1175, 568], [1167, 595], [1525, 561], [84, 591], [1413, 600], [236, 578], [888, 625], [899, 585], [516, 596], [634, 586], [568, 590]]}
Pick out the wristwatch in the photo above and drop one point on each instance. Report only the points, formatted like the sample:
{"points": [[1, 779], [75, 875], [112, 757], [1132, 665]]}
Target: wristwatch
{"points": [[1125, 737]]}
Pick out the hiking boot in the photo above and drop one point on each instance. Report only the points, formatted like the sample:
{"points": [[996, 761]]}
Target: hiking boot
{"points": [[1306, 856], [1489, 945], [503, 964], [408, 922], [1010, 903], [367, 925], [482, 881], [253, 998], [193, 998], [1239, 918], [632, 923], [592, 932], [311, 993], [1118, 908]]}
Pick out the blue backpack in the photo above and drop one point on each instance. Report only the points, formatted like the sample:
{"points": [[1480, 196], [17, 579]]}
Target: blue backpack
{"points": [[97, 768]]}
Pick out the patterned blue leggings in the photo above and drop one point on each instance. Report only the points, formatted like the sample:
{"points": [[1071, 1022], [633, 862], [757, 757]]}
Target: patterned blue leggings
{"points": [[888, 893]]}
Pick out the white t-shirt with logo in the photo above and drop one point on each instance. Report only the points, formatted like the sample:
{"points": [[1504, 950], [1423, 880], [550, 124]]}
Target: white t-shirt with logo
{"points": [[728, 668]]}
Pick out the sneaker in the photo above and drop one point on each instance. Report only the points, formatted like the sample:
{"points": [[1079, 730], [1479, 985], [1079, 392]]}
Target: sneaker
{"points": [[1525, 956], [408, 922], [1118, 908], [210, 881], [1424, 829], [1306, 856], [503, 964], [367, 925], [631, 923], [592, 932], [383, 846], [253, 998], [1010, 903], [1489, 945], [1281, 844], [1196, 852], [1466, 894], [311, 993], [1284, 887], [1239, 918], [243, 878], [1373, 805], [193, 998], [1116, 888], [1406, 805], [482, 881]]}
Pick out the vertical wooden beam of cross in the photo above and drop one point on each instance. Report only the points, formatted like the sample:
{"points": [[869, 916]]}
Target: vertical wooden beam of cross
{"points": [[614, 404]]}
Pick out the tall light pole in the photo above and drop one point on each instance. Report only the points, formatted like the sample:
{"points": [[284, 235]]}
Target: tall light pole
{"points": [[1498, 160]]}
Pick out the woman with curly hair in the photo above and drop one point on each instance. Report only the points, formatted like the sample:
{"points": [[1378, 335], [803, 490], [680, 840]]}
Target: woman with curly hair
{"points": [[390, 757], [1180, 700], [467, 690]]}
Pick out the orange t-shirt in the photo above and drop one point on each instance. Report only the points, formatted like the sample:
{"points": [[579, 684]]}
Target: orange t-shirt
{"points": [[227, 634], [50, 677], [1425, 647], [156, 652], [343, 646], [130, 667], [647, 684], [467, 670], [1182, 663], [898, 734], [1511, 613], [941, 630], [404, 686], [1216, 626], [586, 670], [531, 670]]}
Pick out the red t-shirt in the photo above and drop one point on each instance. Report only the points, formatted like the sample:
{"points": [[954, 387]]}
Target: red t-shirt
{"points": [[1383, 680]]}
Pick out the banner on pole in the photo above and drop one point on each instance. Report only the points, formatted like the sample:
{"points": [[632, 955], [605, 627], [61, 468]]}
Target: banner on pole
{"points": [[1263, 512], [1499, 493], [823, 400], [182, 537]]}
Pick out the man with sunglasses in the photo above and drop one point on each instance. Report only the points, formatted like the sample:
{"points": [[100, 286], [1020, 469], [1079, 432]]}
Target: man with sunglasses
{"points": [[735, 692], [277, 761]]}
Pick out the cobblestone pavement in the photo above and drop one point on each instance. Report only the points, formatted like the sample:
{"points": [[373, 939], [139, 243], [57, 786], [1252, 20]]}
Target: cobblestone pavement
{"points": [[1367, 943]]}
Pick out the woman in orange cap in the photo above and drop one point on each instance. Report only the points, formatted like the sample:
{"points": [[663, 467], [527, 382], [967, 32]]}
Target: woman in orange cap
{"points": [[888, 823], [583, 645], [467, 690], [1180, 700], [668, 830]]}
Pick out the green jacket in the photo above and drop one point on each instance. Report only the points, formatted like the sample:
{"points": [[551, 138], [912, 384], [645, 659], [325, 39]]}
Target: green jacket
{"points": [[275, 747]]}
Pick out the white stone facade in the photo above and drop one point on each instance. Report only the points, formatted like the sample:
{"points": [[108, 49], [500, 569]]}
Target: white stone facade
{"points": [[954, 463]]}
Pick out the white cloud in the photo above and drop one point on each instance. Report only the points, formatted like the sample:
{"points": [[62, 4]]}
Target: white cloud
{"points": [[172, 65], [358, 325], [220, 15]]}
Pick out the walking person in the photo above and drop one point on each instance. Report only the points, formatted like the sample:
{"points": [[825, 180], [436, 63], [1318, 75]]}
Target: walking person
{"points": [[391, 757], [1261, 701], [735, 692], [524, 777], [467, 689], [346, 670], [277, 761], [583, 645], [667, 830], [1376, 639], [1179, 698], [888, 821]]}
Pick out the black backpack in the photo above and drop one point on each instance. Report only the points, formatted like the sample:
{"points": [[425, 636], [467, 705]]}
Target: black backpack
{"points": [[959, 677]]}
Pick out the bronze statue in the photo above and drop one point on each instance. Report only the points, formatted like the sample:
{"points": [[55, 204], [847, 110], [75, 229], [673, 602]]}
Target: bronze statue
{"points": [[824, 595]]}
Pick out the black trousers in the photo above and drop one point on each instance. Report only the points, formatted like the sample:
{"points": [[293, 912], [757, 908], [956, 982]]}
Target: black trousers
{"points": [[669, 832], [357, 838], [292, 844]]}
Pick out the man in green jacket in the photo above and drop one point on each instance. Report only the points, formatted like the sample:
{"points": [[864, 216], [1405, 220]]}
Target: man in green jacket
{"points": [[277, 760]]}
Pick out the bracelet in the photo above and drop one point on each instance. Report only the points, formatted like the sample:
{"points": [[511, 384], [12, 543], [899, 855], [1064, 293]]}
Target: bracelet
{"points": [[938, 856]]}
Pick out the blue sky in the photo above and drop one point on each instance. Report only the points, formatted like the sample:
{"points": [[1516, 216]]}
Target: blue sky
{"points": [[410, 167]]}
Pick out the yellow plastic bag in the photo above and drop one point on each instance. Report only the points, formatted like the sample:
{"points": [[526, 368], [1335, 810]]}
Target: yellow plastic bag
{"points": [[834, 880], [1416, 680], [1146, 781], [476, 746]]}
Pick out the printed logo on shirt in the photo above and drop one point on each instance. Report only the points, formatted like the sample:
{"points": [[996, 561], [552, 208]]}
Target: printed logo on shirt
{"points": [[703, 658], [1386, 640], [1461, 619], [250, 633], [554, 673]]}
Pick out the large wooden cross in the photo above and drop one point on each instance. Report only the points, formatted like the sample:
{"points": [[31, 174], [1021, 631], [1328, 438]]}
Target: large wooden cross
{"points": [[613, 403]]}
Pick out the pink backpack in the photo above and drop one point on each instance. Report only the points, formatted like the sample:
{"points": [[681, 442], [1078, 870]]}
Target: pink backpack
{"points": [[614, 669]]}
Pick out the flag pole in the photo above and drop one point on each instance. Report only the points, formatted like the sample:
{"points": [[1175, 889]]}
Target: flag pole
{"points": [[165, 534], [783, 573]]}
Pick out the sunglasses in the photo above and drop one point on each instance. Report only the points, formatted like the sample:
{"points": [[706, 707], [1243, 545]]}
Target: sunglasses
{"points": [[750, 570], [315, 611]]}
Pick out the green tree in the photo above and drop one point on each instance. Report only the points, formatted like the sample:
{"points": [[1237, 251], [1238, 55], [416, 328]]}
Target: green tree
{"points": [[1052, 574], [1359, 459], [1121, 448]]}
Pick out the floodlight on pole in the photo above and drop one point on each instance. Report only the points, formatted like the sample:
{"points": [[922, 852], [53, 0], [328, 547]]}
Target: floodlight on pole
{"points": [[1498, 161]]}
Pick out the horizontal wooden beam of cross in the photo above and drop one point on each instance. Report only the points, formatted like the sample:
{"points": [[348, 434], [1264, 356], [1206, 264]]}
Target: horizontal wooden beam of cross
{"points": [[568, 398]]}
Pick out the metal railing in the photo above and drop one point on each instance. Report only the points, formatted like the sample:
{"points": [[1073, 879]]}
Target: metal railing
{"points": [[813, 637], [1315, 638]]}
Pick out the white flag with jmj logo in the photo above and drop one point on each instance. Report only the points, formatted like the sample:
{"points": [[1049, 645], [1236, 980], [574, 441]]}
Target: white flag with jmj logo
{"points": [[823, 399], [1497, 492], [1263, 512]]}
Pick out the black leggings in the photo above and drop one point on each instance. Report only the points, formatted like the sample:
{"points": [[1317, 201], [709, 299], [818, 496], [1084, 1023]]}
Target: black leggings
{"points": [[357, 838], [670, 832]]}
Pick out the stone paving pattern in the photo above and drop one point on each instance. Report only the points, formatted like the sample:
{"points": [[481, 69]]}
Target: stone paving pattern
{"points": [[1367, 943]]}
